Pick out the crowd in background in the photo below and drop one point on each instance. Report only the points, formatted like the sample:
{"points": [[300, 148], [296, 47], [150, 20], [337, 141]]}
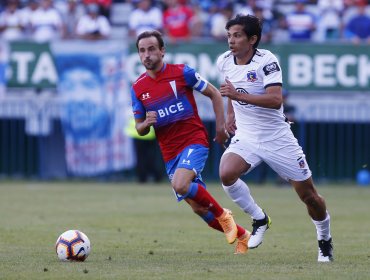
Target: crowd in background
{"points": [[283, 20], [45, 20]]}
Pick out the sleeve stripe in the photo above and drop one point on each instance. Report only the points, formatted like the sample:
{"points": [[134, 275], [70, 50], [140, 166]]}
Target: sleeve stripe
{"points": [[200, 85], [273, 84]]}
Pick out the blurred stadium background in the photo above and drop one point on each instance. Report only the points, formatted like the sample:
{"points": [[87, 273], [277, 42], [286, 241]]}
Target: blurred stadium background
{"points": [[65, 103]]}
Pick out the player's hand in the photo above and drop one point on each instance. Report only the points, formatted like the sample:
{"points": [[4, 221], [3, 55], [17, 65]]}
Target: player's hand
{"points": [[228, 90], [151, 118], [221, 137]]}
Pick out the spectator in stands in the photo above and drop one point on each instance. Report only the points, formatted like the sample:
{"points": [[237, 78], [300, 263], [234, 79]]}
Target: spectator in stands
{"points": [[74, 11], [46, 22], [60, 5], [93, 26], [144, 17], [248, 7], [330, 24], [267, 25], [300, 23], [219, 20], [27, 12], [264, 8], [358, 28], [11, 23], [177, 20], [199, 21], [104, 6], [203, 18]]}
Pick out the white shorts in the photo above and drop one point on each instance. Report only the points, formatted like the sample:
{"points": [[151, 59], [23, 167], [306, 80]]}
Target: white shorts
{"points": [[283, 155]]}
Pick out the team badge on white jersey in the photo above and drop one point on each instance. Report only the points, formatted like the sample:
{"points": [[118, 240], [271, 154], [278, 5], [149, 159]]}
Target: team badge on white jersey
{"points": [[252, 76]]}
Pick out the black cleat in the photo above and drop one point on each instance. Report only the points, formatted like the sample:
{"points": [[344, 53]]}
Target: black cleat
{"points": [[325, 251]]}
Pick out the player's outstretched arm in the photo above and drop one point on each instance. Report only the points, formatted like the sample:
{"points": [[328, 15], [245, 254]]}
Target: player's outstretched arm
{"points": [[218, 107], [143, 125]]}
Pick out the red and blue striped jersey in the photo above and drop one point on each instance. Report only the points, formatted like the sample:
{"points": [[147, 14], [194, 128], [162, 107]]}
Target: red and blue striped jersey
{"points": [[170, 94]]}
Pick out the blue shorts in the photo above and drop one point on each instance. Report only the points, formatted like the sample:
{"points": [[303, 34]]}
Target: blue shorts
{"points": [[194, 158]]}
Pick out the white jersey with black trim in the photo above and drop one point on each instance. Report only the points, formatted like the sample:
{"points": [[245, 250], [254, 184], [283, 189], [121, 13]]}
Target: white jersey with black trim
{"points": [[255, 123]]}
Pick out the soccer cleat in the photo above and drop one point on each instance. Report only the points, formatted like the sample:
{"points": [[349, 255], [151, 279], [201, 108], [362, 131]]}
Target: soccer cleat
{"points": [[228, 225], [325, 251], [259, 229], [242, 244]]}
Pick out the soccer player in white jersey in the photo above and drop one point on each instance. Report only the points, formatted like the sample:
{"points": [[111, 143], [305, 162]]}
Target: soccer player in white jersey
{"points": [[253, 85]]}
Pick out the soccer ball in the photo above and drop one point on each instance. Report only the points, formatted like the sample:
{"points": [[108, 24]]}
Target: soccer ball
{"points": [[73, 245]]}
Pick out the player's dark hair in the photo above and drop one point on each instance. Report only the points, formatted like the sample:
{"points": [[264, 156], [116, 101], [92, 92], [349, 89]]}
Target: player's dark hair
{"points": [[147, 34], [252, 25]]}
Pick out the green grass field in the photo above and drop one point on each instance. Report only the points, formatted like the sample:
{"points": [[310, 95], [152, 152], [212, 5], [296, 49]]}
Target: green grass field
{"points": [[141, 232]]}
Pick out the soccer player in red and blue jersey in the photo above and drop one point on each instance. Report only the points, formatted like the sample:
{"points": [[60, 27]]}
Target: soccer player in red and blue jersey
{"points": [[162, 97]]}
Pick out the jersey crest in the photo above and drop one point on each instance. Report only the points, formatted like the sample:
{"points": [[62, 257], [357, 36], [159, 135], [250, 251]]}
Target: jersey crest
{"points": [[252, 76]]}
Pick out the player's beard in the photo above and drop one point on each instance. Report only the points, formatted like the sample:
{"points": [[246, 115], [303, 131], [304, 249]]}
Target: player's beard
{"points": [[149, 64]]}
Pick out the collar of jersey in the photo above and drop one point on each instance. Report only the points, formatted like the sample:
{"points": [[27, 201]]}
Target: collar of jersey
{"points": [[249, 61]]}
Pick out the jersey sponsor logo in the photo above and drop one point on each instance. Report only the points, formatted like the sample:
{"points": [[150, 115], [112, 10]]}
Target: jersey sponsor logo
{"points": [[242, 90], [145, 96], [271, 68], [170, 110], [252, 76]]}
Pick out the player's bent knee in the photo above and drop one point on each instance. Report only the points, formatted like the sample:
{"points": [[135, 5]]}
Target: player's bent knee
{"points": [[228, 177], [180, 188]]}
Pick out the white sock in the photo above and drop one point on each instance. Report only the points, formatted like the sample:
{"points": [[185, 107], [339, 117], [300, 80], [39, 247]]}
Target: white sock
{"points": [[323, 228], [240, 194]]}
